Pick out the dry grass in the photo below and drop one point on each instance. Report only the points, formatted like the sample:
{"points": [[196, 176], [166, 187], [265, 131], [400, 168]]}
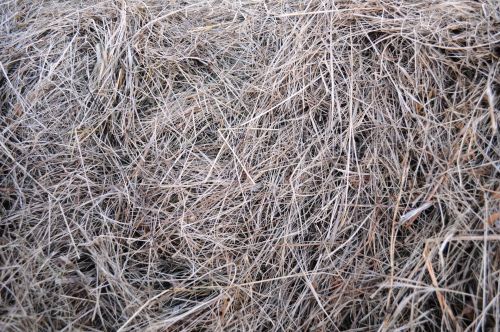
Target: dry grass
{"points": [[249, 165]]}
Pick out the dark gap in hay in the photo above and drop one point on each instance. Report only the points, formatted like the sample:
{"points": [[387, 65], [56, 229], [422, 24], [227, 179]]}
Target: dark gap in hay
{"points": [[8, 202], [86, 265]]}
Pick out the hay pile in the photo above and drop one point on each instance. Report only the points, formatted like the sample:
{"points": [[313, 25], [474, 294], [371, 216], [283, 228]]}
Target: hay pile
{"points": [[249, 165]]}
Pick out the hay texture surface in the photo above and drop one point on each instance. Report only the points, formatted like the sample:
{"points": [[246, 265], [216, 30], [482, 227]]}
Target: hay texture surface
{"points": [[249, 165]]}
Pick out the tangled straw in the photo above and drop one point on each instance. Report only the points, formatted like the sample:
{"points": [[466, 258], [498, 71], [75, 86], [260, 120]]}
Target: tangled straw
{"points": [[249, 166]]}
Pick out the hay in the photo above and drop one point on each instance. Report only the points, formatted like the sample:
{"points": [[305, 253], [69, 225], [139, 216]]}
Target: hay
{"points": [[249, 166]]}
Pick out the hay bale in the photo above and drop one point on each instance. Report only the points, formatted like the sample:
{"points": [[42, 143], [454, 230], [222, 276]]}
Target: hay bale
{"points": [[249, 166]]}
